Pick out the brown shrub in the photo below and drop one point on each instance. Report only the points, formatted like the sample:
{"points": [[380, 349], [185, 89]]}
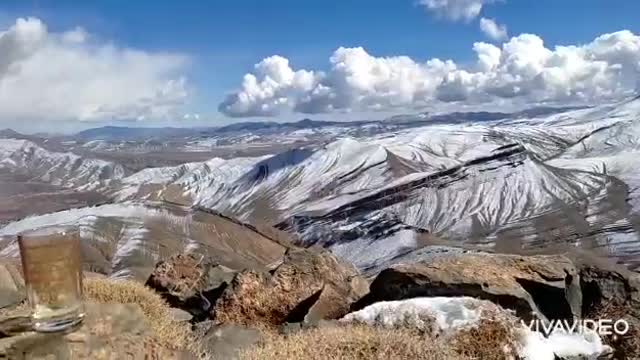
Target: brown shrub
{"points": [[353, 342], [256, 302], [422, 323], [168, 332]]}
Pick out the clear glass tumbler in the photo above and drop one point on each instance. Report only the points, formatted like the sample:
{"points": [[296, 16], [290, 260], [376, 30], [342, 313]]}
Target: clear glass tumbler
{"points": [[51, 261]]}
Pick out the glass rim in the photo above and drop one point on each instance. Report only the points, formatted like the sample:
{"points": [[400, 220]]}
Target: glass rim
{"points": [[53, 230]]}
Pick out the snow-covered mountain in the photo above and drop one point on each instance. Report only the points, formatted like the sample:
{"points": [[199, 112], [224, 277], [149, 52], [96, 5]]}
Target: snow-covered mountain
{"points": [[526, 181], [128, 239], [467, 203], [64, 169], [521, 182]]}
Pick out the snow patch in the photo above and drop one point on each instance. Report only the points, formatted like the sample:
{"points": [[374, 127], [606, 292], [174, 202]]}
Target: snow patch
{"points": [[448, 313], [558, 344], [454, 313]]}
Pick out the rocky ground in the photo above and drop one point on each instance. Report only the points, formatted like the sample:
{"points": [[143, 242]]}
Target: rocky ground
{"points": [[310, 304]]}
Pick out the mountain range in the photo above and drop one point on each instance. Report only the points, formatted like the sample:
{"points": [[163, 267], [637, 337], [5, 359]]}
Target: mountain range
{"points": [[374, 192]]}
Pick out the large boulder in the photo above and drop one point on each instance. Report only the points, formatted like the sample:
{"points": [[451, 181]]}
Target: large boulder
{"points": [[306, 286], [545, 287]]}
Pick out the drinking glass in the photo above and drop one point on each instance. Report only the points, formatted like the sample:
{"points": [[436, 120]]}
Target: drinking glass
{"points": [[51, 262]]}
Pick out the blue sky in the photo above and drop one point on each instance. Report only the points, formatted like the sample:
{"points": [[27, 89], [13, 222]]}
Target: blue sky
{"points": [[224, 39]]}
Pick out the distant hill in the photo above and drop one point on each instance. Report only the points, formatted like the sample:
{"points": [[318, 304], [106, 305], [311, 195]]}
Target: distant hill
{"points": [[247, 126], [474, 116], [271, 125], [11, 134], [130, 133], [119, 133]]}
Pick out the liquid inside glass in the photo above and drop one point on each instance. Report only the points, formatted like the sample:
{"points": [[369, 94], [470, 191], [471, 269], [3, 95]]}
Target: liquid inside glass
{"points": [[51, 261]]}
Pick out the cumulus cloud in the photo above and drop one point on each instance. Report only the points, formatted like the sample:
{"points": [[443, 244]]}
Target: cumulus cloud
{"points": [[456, 10], [522, 69], [493, 30], [70, 76], [272, 88]]}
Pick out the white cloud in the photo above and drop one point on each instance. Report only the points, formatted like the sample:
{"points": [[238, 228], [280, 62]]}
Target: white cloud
{"points": [[455, 10], [493, 30], [522, 70], [67, 76], [190, 116], [272, 88]]}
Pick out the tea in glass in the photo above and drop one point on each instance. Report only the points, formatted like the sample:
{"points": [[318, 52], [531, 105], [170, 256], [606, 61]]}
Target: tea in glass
{"points": [[51, 262]]}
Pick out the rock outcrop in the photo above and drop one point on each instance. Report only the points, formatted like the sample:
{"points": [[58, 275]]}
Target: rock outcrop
{"points": [[306, 286], [187, 281], [226, 342], [109, 331], [181, 276], [610, 286], [547, 287]]}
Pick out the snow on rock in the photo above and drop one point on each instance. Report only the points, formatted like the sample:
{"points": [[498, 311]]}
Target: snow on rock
{"points": [[450, 314]]}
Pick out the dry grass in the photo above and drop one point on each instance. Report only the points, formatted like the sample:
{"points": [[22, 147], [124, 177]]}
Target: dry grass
{"points": [[168, 332], [258, 303], [355, 342], [416, 336], [422, 323], [490, 340], [625, 346]]}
